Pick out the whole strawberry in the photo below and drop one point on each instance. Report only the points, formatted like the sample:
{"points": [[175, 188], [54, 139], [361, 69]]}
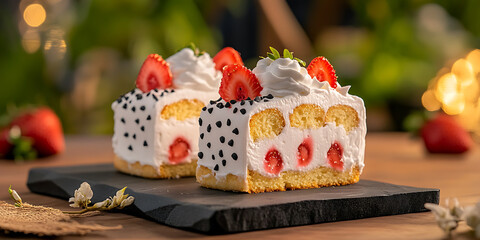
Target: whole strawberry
{"points": [[443, 134], [43, 127]]}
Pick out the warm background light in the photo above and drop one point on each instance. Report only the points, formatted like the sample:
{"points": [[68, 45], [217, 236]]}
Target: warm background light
{"points": [[457, 93], [34, 15]]}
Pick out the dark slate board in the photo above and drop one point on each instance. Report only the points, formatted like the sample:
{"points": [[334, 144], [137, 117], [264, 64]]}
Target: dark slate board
{"points": [[182, 203]]}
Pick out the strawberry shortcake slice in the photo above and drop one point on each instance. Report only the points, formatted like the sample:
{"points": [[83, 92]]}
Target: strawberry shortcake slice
{"points": [[281, 126], [156, 124]]}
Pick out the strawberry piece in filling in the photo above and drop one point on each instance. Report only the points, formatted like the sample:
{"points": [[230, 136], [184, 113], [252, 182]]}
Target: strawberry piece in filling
{"points": [[334, 156], [178, 151], [273, 162], [305, 152]]}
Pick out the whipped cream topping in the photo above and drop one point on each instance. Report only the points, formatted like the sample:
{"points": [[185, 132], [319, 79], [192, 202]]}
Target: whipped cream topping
{"points": [[194, 72], [284, 77]]}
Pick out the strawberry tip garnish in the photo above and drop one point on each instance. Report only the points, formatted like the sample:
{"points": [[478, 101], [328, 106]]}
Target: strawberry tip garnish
{"points": [[321, 68], [154, 73], [227, 56], [239, 83]]}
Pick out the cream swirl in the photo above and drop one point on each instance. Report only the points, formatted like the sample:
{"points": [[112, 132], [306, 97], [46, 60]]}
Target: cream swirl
{"points": [[192, 72], [284, 77]]}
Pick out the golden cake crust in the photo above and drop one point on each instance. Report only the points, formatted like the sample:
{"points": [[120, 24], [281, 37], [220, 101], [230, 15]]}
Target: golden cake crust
{"points": [[149, 171], [256, 182]]}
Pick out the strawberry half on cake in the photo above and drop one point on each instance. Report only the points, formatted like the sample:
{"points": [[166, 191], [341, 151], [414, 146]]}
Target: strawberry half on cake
{"points": [[156, 124], [281, 126]]}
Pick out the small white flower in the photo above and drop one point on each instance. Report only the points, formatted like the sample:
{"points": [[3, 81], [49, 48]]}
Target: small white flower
{"points": [[82, 196], [102, 204], [126, 202], [447, 218], [472, 218]]}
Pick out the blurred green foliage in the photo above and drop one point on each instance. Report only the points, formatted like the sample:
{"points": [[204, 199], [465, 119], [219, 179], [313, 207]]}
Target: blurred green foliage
{"points": [[387, 50]]}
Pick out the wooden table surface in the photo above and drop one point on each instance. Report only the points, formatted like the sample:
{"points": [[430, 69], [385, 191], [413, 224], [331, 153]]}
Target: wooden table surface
{"points": [[390, 157]]}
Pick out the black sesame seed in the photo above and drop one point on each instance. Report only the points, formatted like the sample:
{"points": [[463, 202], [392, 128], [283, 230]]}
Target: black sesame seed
{"points": [[204, 108], [139, 96], [222, 139], [133, 91], [234, 156], [230, 143], [156, 90], [220, 153], [133, 109], [201, 136], [126, 98], [130, 148], [148, 94], [145, 144], [165, 91], [210, 110], [219, 99], [200, 155], [216, 167], [142, 108], [233, 101], [243, 111], [155, 97], [130, 101], [209, 128], [227, 105], [134, 136], [161, 95], [149, 118], [122, 120], [251, 102], [213, 157], [125, 106], [269, 96], [229, 122], [242, 102], [220, 105], [235, 110], [248, 98], [212, 102], [119, 100], [235, 131], [265, 100], [224, 162], [219, 124], [257, 99], [137, 121], [200, 121], [126, 134], [209, 145], [142, 128], [173, 90]]}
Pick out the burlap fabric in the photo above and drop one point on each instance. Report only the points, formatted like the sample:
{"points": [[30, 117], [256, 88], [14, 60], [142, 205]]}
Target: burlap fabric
{"points": [[42, 221]]}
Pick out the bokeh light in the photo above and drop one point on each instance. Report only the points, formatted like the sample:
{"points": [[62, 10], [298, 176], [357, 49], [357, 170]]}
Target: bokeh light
{"points": [[34, 15], [31, 41], [457, 91]]}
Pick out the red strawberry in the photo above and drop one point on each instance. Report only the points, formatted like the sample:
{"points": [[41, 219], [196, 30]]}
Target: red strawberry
{"points": [[322, 69], [154, 73], [305, 152], [178, 150], [443, 134], [273, 161], [5, 145], [334, 156], [225, 57], [44, 128], [239, 83]]}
